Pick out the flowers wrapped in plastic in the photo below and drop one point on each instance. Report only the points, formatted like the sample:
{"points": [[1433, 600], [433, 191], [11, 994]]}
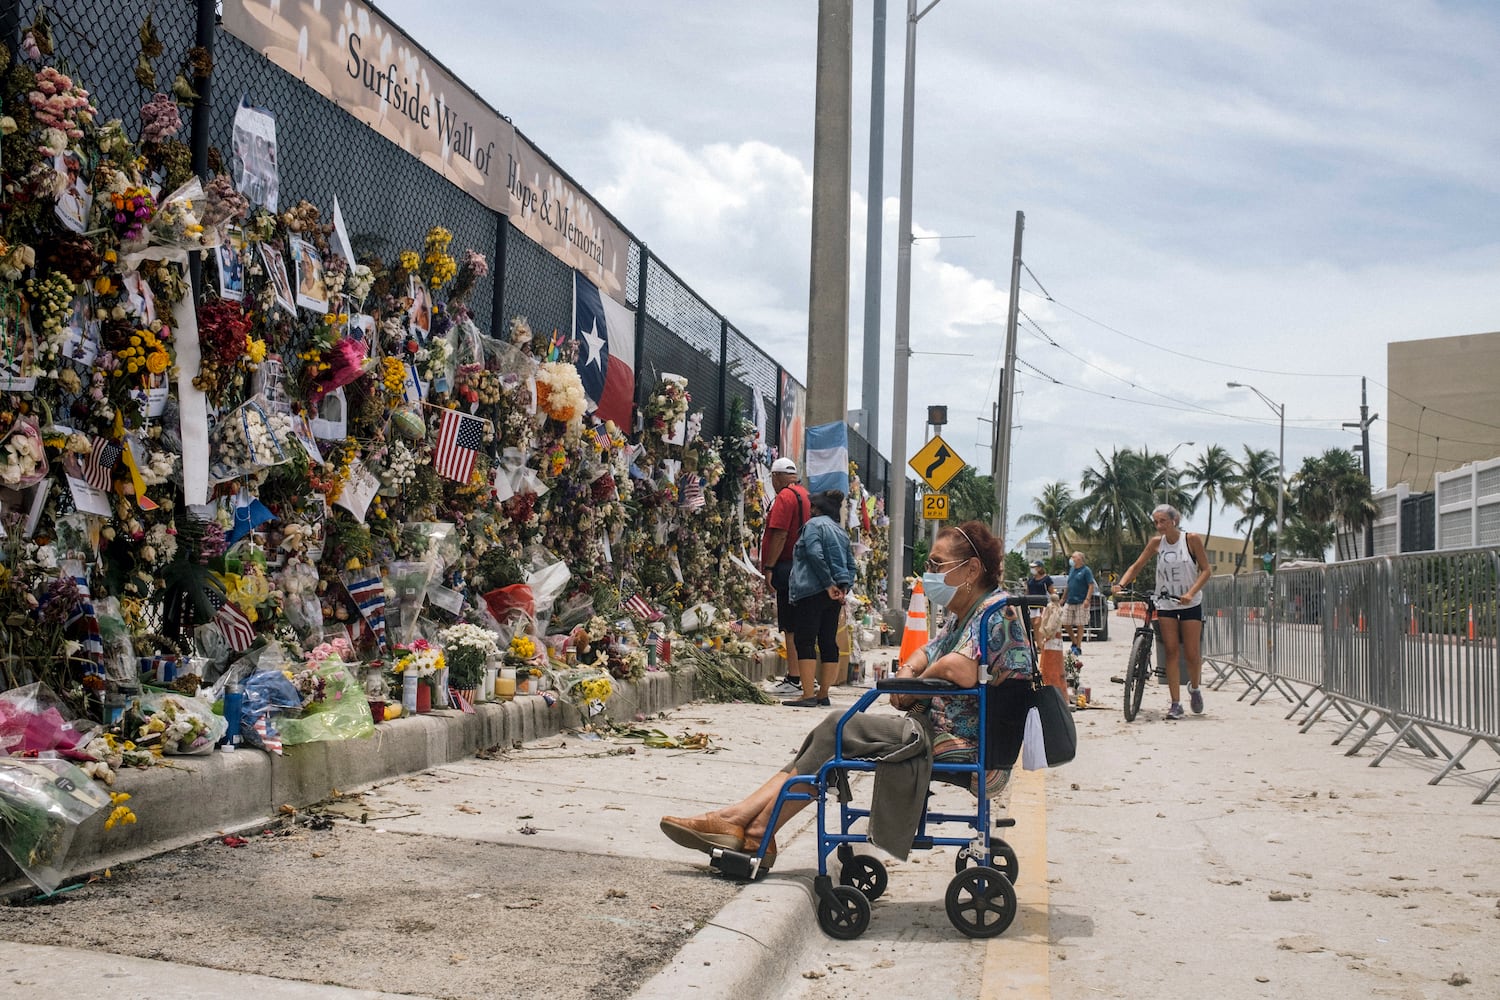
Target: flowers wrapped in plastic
{"points": [[43, 801], [338, 709], [254, 436], [178, 223], [178, 724]]}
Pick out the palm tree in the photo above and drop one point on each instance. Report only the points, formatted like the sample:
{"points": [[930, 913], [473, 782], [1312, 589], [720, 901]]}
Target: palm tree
{"points": [[1331, 489], [1256, 485], [1056, 513], [1116, 501], [1213, 477], [1306, 539]]}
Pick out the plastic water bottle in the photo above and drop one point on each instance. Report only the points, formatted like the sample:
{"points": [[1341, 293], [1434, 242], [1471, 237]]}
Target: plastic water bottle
{"points": [[234, 704]]}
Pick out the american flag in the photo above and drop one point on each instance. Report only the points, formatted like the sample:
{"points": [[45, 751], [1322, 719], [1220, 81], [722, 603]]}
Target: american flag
{"points": [[690, 496], [638, 607], [238, 631], [94, 466], [663, 650], [459, 438], [369, 594]]}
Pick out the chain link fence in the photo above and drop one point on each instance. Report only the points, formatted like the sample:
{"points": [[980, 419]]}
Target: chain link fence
{"points": [[389, 200]]}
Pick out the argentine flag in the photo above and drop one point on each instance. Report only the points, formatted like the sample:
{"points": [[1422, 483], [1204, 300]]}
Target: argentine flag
{"points": [[828, 458]]}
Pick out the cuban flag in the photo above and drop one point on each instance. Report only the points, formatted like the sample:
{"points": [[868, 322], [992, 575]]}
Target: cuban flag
{"points": [[828, 458], [605, 331]]}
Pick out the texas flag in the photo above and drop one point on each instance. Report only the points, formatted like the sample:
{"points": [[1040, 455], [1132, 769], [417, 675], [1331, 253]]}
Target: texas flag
{"points": [[605, 331]]}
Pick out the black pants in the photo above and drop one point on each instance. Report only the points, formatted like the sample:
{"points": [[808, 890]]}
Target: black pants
{"points": [[817, 627]]}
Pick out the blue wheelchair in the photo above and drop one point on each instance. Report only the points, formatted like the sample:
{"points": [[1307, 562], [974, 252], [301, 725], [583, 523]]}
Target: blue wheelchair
{"points": [[981, 898]]}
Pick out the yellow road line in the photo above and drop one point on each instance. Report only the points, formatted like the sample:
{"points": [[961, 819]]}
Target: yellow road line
{"points": [[1016, 964]]}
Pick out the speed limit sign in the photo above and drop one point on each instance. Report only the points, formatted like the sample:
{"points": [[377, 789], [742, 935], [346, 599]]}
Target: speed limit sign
{"points": [[935, 507]]}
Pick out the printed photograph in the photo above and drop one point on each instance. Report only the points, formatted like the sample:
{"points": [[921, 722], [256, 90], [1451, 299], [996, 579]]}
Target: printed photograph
{"points": [[276, 271], [311, 292], [232, 264]]}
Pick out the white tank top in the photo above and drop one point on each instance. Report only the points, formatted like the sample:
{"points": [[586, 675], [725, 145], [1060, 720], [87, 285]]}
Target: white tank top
{"points": [[1175, 573]]}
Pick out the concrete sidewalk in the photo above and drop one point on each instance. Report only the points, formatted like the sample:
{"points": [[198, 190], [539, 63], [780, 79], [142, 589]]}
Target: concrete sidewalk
{"points": [[198, 797]]}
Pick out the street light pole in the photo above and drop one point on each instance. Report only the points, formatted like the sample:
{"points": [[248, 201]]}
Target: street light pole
{"points": [[1280, 410], [1185, 444], [895, 571]]}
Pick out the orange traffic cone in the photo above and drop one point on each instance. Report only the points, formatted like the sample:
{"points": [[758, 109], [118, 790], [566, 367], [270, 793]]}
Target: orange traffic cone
{"points": [[1412, 625], [1471, 623], [915, 636], [1361, 621]]}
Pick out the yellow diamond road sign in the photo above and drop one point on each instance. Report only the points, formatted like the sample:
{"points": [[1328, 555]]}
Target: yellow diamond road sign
{"points": [[936, 463]]}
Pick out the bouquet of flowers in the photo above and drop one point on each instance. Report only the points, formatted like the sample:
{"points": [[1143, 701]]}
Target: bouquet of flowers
{"points": [[559, 391], [467, 647], [254, 436], [42, 803], [422, 658]]}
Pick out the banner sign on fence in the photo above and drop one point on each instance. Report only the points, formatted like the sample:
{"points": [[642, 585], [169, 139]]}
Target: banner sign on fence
{"points": [[352, 55]]}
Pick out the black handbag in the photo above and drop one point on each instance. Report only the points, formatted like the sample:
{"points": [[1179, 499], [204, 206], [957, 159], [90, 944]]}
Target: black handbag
{"points": [[1059, 735]]}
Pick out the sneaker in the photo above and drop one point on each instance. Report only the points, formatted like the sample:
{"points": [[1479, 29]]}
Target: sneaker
{"points": [[814, 703], [823, 702], [787, 686], [1175, 712], [1077, 651], [1195, 698]]}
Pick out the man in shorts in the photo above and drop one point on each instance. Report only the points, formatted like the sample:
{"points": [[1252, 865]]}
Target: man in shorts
{"points": [[1076, 604], [790, 510]]}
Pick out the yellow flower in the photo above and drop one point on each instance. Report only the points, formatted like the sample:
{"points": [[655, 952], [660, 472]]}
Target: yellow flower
{"points": [[157, 362], [255, 350]]}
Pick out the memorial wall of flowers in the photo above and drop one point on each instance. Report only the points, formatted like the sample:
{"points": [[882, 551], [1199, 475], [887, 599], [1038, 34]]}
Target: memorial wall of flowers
{"points": [[282, 496]]}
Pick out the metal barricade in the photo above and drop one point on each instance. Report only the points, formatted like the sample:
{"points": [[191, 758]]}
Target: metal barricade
{"points": [[1399, 645]]}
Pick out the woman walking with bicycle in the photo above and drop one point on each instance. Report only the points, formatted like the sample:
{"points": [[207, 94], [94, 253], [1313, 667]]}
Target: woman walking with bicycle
{"points": [[1181, 573]]}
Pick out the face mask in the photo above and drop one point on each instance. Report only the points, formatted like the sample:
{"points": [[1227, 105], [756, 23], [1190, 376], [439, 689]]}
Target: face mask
{"points": [[937, 588]]}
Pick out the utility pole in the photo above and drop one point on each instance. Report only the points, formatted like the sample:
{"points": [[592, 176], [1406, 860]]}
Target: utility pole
{"points": [[1007, 392], [875, 198], [828, 291], [1366, 418], [896, 502]]}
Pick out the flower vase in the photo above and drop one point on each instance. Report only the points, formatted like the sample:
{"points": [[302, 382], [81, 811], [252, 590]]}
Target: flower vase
{"points": [[487, 690], [424, 698], [526, 684], [409, 691]]}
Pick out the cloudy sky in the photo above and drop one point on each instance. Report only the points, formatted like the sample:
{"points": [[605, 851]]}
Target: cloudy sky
{"points": [[1246, 190]]}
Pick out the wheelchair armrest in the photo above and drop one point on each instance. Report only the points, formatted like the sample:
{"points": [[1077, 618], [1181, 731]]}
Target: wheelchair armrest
{"points": [[916, 685], [1028, 600]]}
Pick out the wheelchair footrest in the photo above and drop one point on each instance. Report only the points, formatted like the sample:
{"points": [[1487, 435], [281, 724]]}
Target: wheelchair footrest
{"points": [[735, 864], [1005, 822]]}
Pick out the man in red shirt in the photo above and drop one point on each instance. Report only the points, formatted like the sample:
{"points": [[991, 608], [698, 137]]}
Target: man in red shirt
{"points": [[789, 511]]}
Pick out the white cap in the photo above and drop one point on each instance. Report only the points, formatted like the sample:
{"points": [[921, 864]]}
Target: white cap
{"points": [[785, 465]]}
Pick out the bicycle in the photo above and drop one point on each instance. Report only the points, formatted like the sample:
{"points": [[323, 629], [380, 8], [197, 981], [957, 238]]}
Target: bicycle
{"points": [[1138, 668]]}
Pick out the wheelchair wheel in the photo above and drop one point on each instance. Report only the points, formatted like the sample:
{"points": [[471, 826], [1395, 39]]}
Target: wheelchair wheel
{"points": [[1136, 672], [866, 874], [1005, 861], [981, 902], [846, 916]]}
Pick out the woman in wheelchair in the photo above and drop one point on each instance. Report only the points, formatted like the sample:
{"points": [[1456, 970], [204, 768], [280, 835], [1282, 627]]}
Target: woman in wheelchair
{"points": [[963, 574]]}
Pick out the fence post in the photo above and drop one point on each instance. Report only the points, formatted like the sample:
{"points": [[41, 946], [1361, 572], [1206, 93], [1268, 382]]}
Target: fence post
{"points": [[498, 324], [643, 264], [203, 109], [723, 376], [780, 377]]}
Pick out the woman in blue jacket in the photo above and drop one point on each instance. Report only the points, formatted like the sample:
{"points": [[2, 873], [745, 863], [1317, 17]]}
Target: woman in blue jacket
{"points": [[822, 572]]}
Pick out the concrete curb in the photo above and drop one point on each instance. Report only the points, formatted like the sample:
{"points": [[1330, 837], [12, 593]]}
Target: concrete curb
{"points": [[201, 797], [748, 950]]}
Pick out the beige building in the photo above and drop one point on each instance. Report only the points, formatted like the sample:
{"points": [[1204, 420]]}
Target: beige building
{"points": [[1443, 407]]}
